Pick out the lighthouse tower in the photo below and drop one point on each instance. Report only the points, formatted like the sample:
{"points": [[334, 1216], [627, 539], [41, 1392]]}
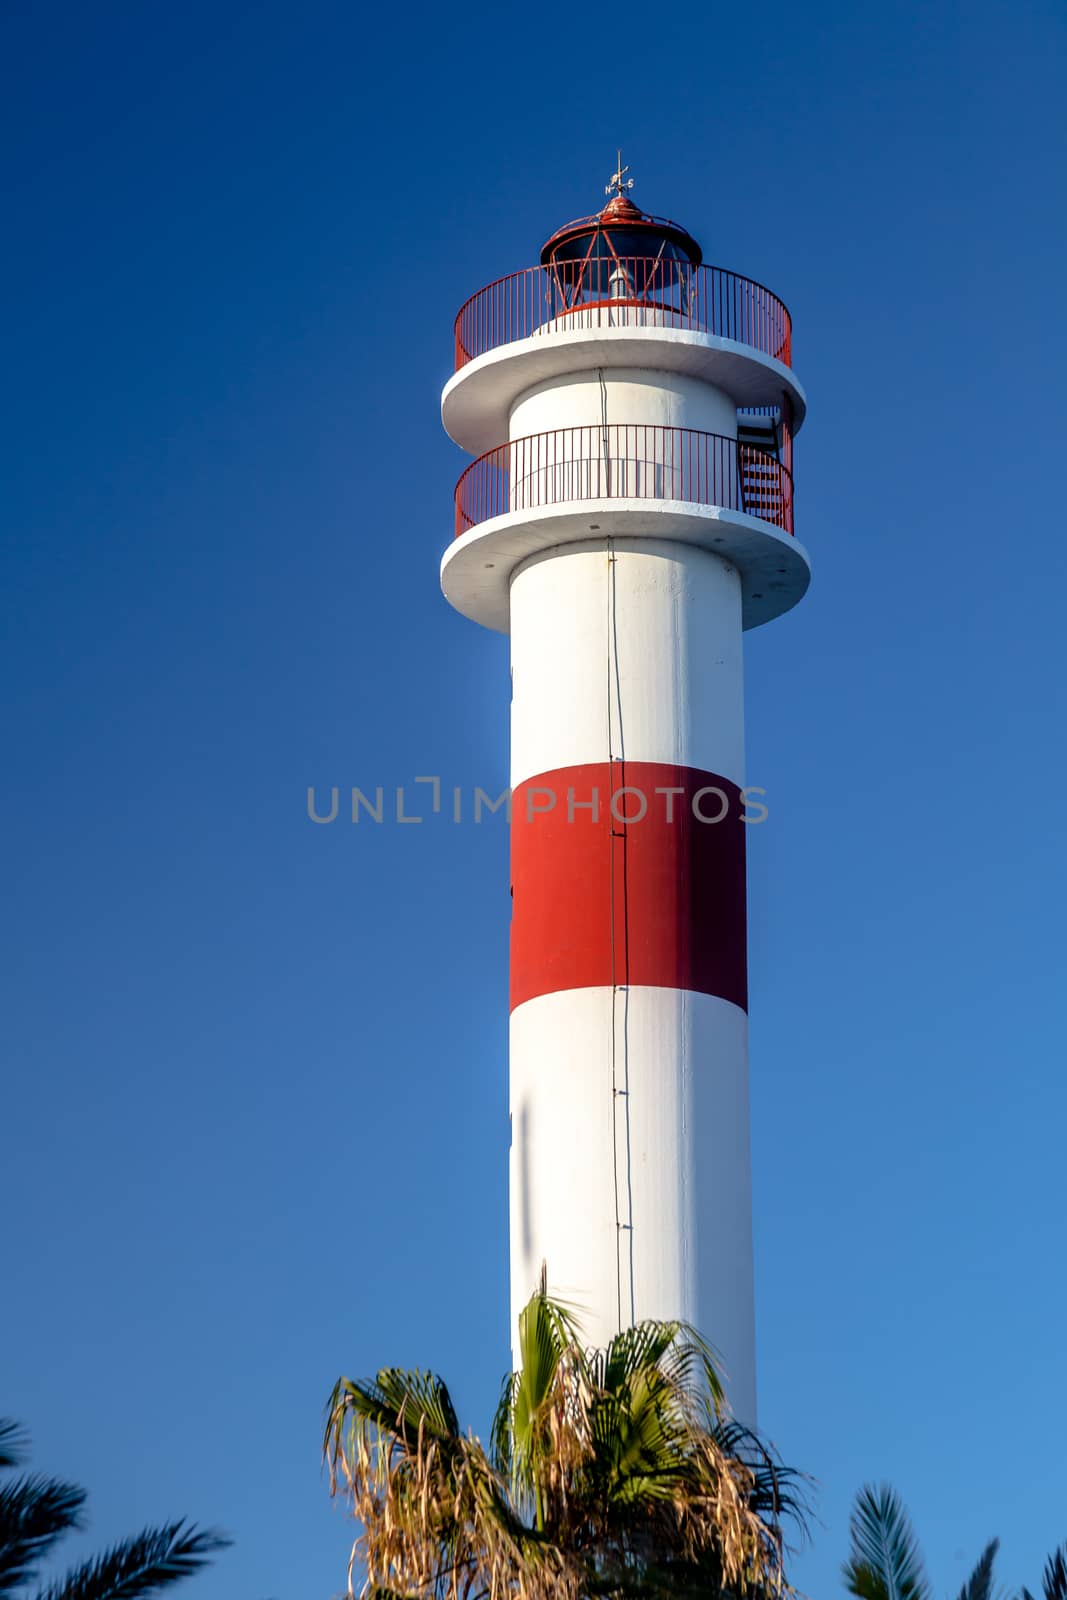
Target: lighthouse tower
{"points": [[628, 515]]}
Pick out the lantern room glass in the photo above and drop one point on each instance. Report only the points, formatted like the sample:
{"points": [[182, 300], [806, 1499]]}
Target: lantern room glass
{"points": [[620, 265]]}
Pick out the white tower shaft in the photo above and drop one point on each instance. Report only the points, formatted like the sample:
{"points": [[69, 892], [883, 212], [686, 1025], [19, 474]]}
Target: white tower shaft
{"points": [[629, 1100]]}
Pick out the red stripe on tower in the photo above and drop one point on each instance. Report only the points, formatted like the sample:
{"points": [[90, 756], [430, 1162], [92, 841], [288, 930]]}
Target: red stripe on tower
{"points": [[628, 873]]}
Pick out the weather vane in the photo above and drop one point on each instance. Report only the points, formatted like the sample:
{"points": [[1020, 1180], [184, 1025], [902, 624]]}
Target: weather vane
{"points": [[619, 180]]}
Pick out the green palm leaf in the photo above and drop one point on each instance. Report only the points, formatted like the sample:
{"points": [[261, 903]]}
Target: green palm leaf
{"points": [[151, 1560], [1053, 1579], [656, 1383], [633, 1351], [884, 1562], [419, 1398], [34, 1513], [501, 1429], [639, 1441], [979, 1585], [547, 1334], [13, 1443], [399, 1403], [778, 1492], [1054, 1582], [676, 1350]]}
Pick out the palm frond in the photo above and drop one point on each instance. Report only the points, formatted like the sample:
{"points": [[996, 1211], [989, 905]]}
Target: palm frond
{"points": [[884, 1562], [640, 1440], [13, 1443], [634, 1350], [1054, 1577], [151, 1560], [404, 1405], [678, 1353], [34, 1513], [548, 1339], [979, 1585], [546, 1331], [501, 1431], [778, 1492], [419, 1399]]}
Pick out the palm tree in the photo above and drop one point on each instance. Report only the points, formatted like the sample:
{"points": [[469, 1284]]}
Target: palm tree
{"points": [[610, 1474], [885, 1562], [35, 1513]]}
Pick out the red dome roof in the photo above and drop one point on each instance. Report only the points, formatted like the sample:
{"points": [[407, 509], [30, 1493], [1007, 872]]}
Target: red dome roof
{"points": [[620, 208], [621, 215]]}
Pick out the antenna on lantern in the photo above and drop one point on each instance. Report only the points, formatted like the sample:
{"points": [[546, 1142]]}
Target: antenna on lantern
{"points": [[618, 180]]}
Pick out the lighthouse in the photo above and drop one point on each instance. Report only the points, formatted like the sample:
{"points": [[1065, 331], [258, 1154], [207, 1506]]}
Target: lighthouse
{"points": [[627, 516]]}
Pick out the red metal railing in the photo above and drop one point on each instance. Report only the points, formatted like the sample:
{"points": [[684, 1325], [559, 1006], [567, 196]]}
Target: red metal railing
{"points": [[624, 461], [635, 291]]}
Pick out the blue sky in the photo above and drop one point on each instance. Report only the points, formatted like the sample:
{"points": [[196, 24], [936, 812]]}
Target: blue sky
{"points": [[254, 1092]]}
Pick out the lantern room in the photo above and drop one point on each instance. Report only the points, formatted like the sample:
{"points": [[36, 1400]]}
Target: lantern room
{"points": [[622, 255]]}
